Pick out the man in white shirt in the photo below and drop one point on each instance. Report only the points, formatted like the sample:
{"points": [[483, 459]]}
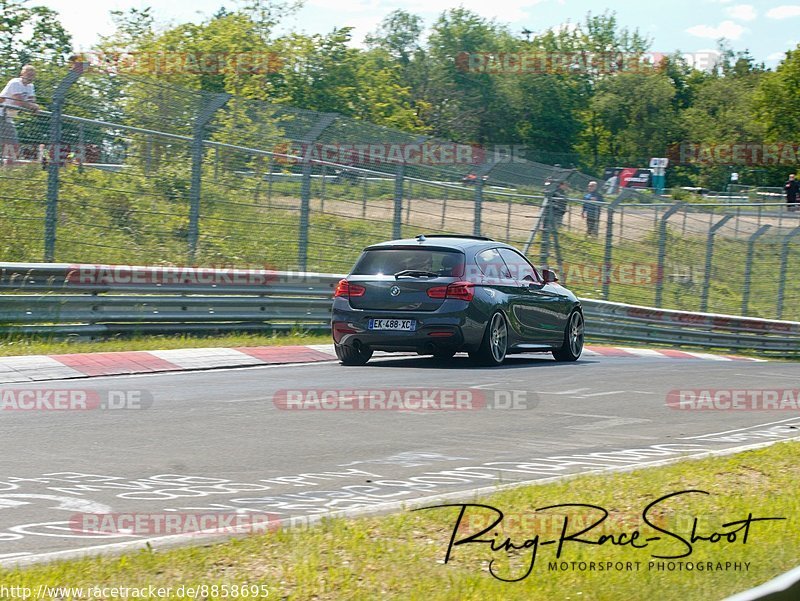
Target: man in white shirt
{"points": [[19, 93]]}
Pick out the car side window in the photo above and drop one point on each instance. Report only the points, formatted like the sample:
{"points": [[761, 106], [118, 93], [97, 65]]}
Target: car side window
{"points": [[492, 265], [520, 268]]}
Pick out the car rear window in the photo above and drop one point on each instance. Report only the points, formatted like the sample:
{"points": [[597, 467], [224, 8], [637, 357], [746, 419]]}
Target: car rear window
{"points": [[391, 260]]}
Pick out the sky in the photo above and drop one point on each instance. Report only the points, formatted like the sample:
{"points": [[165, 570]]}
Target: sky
{"points": [[767, 28]]}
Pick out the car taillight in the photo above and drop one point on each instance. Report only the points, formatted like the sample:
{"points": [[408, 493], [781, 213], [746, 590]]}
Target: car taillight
{"points": [[460, 290], [438, 292], [348, 290]]}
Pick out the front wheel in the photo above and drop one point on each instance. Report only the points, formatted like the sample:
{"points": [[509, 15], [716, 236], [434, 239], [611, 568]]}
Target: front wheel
{"points": [[573, 339], [350, 355], [494, 344]]}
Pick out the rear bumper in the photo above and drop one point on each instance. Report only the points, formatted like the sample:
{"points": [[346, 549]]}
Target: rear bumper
{"points": [[449, 328]]}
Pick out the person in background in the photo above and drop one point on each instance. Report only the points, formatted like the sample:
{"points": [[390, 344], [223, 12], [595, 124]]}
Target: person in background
{"points": [[591, 208], [558, 203], [611, 185], [18, 93], [792, 189]]}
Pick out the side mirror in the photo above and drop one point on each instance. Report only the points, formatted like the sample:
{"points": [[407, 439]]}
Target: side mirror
{"points": [[549, 276]]}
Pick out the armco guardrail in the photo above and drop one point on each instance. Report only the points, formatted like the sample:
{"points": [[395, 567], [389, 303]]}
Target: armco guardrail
{"points": [[95, 300], [617, 321]]}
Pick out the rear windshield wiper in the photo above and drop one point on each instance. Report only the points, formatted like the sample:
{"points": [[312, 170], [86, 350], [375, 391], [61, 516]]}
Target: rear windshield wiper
{"points": [[416, 273]]}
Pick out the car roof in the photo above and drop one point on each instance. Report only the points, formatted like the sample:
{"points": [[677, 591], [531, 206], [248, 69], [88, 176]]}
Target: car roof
{"points": [[433, 241]]}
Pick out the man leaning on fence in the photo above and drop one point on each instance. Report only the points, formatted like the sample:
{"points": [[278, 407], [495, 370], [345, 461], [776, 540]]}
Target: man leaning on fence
{"points": [[591, 208], [18, 94]]}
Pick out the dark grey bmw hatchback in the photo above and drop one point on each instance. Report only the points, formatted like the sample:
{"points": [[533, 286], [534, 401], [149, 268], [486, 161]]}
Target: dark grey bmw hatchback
{"points": [[443, 294]]}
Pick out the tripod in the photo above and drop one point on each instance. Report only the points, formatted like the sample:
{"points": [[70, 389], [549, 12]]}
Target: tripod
{"points": [[547, 227]]}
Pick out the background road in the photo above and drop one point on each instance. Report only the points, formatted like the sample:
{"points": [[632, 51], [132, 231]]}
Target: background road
{"points": [[214, 441]]}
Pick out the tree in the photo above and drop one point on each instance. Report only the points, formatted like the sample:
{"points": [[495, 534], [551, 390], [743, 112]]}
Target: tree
{"points": [[466, 106], [630, 117], [777, 99], [399, 34], [31, 34]]}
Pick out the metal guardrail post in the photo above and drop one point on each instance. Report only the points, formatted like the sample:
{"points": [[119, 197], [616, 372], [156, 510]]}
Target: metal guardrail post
{"points": [[607, 253], [709, 258], [305, 209], [662, 249], [479, 173], [324, 175], [81, 155], [784, 264], [51, 211], [397, 230], [547, 224], [476, 220], [202, 119], [748, 266], [305, 188]]}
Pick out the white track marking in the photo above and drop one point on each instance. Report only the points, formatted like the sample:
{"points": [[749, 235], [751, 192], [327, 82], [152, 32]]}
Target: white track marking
{"points": [[205, 358], [594, 394], [643, 352], [783, 421], [708, 356], [32, 368]]}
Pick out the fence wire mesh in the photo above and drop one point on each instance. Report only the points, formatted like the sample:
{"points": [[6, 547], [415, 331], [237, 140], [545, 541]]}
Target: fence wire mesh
{"points": [[126, 169]]}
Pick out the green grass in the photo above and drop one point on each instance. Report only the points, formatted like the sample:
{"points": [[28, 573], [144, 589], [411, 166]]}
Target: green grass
{"points": [[11, 346], [400, 556]]}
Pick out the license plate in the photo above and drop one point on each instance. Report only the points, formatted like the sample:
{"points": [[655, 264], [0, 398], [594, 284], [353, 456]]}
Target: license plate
{"points": [[393, 324]]}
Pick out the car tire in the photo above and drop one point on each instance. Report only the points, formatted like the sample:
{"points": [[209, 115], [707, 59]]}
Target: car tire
{"points": [[494, 345], [573, 339], [350, 355]]}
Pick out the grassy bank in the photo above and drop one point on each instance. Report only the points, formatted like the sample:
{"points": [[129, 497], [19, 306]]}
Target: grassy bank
{"points": [[11, 346]]}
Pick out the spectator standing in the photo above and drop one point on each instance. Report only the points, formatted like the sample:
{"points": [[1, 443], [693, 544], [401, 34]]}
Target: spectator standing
{"points": [[591, 208], [792, 190], [18, 93], [612, 184], [558, 204]]}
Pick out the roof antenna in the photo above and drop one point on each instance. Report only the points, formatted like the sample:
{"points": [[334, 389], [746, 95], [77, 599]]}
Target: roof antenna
{"points": [[421, 238]]}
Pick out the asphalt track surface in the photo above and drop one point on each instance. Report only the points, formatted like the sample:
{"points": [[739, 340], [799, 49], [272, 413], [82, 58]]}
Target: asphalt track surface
{"points": [[216, 442]]}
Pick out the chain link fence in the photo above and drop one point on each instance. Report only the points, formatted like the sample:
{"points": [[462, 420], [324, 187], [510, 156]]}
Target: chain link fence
{"points": [[122, 169]]}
